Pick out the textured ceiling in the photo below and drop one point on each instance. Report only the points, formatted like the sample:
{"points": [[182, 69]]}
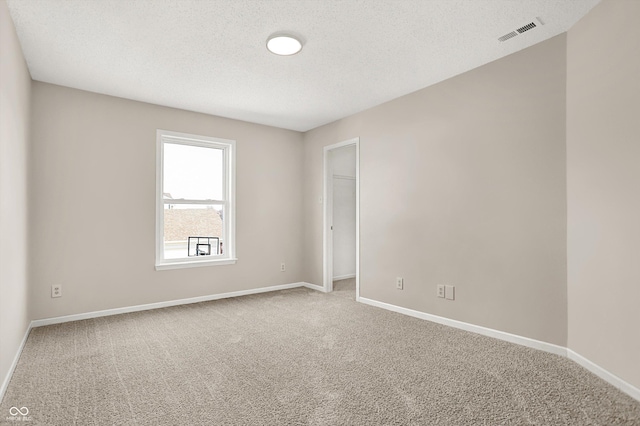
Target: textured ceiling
{"points": [[210, 56]]}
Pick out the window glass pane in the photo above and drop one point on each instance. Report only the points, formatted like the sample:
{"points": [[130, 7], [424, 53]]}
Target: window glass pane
{"points": [[192, 172], [182, 221]]}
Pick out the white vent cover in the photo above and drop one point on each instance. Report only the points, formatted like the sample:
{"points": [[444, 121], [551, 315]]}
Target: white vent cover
{"points": [[520, 30]]}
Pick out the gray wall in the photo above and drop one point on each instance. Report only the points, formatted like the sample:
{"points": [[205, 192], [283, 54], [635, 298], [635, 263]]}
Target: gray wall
{"points": [[462, 183], [15, 87], [603, 181], [93, 203]]}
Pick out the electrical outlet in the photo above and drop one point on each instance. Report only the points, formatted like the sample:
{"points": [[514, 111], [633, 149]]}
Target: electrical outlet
{"points": [[440, 290], [449, 292], [399, 283], [283, 267], [56, 290]]}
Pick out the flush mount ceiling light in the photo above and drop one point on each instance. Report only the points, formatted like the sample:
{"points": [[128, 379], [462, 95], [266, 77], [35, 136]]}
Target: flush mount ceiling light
{"points": [[283, 44]]}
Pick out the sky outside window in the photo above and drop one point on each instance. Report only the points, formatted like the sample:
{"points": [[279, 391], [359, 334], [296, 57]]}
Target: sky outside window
{"points": [[193, 172]]}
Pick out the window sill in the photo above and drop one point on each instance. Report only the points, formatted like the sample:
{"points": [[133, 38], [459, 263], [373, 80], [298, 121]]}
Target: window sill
{"points": [[194, 264]]}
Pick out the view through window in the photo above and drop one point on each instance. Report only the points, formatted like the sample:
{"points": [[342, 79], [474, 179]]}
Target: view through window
{"points": [[195, 199]]}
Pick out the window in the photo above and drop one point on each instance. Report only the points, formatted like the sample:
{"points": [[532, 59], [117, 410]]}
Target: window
{"points": [[195, 201]]}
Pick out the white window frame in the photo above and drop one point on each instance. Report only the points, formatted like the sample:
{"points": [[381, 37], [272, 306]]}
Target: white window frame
{"points": [[229, 187]]}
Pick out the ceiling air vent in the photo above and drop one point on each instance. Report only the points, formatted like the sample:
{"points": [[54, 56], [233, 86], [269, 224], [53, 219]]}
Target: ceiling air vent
{"points": [[526, 27], [508, 36], [520, 30]]}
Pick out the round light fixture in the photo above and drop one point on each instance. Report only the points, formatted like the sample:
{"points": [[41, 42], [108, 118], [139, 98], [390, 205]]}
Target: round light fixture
{"points": [[283, 44]]}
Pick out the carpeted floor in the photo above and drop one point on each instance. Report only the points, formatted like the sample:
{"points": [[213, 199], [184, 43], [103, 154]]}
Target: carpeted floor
{"points": [[296, 357]]}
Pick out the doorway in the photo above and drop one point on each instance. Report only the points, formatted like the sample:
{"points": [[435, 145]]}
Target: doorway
{"points": [[341, 218]]}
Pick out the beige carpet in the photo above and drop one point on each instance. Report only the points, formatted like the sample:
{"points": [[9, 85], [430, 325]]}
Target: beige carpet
{"points": [[296, 357]]}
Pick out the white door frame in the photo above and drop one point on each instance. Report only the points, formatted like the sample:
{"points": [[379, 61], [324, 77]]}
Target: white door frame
{"points": [[327, 237]]}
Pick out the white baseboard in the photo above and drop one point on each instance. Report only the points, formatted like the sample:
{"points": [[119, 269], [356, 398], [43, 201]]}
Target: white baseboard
{"points": [[149, 306], [314, 287], [344, 277], [608, 377], [614, 380], [7, 379], [513, 338], [137, 308]]}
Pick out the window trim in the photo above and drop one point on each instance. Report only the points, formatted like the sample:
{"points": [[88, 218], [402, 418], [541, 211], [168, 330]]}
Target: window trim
{"points": [[229, 187]]}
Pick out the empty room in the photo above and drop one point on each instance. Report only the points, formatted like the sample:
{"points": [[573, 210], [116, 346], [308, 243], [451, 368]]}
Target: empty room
{"points": [[319, 212]]}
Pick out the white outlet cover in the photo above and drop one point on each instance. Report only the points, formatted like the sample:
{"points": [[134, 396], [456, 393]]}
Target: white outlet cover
{"points": [[56, 291], [441, 291], [449, 292], [399, 283]]}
